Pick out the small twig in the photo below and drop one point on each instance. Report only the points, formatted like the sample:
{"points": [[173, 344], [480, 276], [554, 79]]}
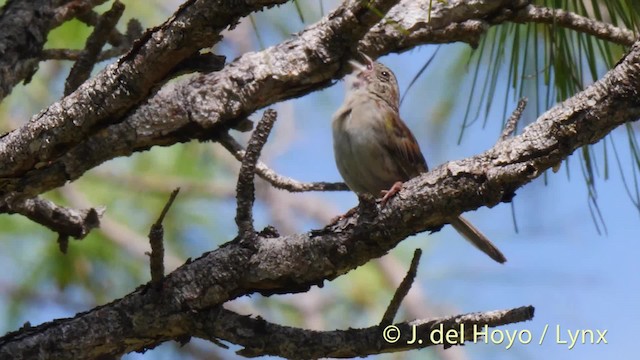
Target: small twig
{"points": [[402, 290], [121, 235], [156, 239], [134, 30], [512, 122], [278, 181], [65, 221], [81, 70], [245, 190], [92, 18]]}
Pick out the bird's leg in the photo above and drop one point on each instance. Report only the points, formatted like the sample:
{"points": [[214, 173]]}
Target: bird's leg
{"points": [[388, 194]]}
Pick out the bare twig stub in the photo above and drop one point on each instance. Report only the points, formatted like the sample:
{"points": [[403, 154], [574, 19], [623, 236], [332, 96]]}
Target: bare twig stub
{"points": [[65, 221], [92, 18], [402, 290], [245, 190], [512, 122], [156, 239], [275, 179], [81, 70]]}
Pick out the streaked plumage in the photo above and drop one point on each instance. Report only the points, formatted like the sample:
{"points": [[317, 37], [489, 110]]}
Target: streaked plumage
{"points": [[373, 147]]}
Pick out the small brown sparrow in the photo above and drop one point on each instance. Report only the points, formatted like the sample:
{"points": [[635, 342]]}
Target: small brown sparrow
{"points": [[375, 151]]}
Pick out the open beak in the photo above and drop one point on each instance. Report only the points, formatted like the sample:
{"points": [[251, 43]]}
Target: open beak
{"points": [[362, 67], [357, 66]]}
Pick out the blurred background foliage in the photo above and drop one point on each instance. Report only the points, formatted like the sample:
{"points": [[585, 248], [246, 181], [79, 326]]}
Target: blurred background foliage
{"points": [[544, 63]]}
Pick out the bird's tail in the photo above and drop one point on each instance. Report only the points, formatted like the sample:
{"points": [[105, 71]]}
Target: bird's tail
{"points": [[478, 240]]}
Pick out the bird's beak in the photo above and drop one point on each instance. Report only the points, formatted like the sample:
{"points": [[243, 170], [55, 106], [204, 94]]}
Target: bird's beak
{"points": [[357, 66], [362, 67], [368, 59]]}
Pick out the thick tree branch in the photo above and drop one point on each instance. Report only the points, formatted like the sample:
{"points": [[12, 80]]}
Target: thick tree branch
{"points": [[260, 337], [106, 98], [277, 73], [206, 105], [294, 263], [25, 25]]}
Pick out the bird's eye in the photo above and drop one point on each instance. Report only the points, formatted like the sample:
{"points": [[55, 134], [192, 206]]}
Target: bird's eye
{"points": [[385, 74]]}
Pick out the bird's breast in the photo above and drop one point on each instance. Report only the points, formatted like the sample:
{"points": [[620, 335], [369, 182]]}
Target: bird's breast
{"points": [[361, 158]]}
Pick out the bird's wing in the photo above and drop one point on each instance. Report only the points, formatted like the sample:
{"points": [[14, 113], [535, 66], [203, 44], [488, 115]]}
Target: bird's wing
{"points": [[403, 147]]}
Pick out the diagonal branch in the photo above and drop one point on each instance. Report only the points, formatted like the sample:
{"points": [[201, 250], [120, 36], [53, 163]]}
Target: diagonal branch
{"points": [[92, 18], [275, 179], [81, 70], [25, 25], [204, 106], [105, 98], [245, 191], [402, 290]]}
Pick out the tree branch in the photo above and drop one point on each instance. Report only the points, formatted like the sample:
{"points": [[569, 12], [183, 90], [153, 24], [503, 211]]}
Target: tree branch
{"points": [[245, 191], [122, 85], [92, 18], [402, 290], [81, 70], [156, 240], [204, 106], [293, 263], [569, 20], [65, 221], [275, 179], [25, 25], [261, 338]]}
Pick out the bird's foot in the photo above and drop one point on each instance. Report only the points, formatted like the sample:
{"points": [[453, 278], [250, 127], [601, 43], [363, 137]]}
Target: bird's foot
{"points": [[388, 194]]}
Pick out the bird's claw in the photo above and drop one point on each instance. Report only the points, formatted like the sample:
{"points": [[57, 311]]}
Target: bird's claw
{"points": [[388, 194]]}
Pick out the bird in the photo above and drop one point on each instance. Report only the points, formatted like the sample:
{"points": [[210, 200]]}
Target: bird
{"points": [[375, 152]]}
